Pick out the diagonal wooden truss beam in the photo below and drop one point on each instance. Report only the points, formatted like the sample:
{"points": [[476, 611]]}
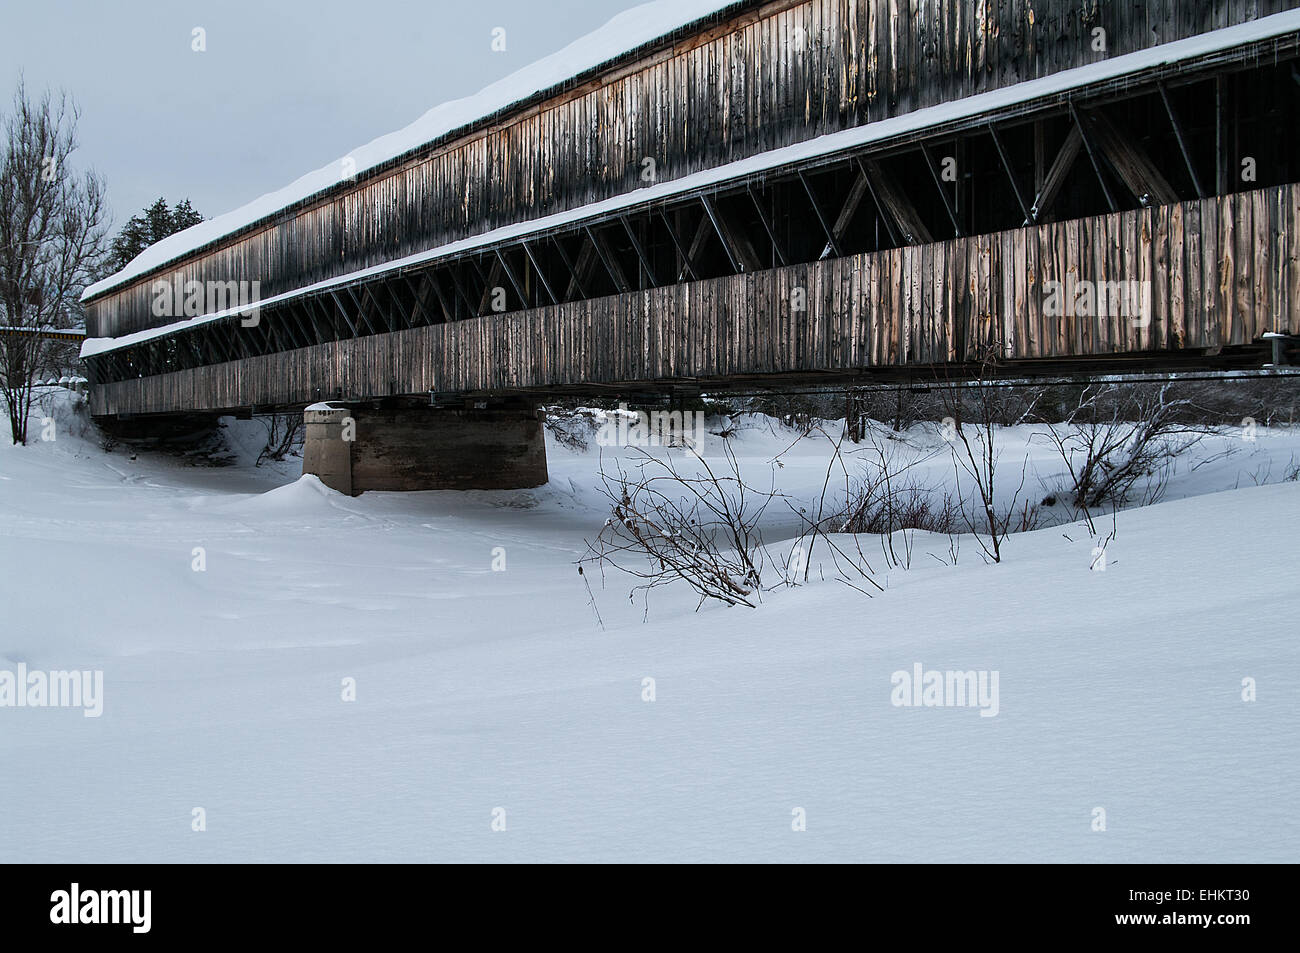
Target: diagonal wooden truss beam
{"points": [[541, 275], [943, 193], [1182, 142], [1056, 175], [611, 266], [577, 269], [1092, 157], [777, 250], [1131, 163], [688, 266], [1011, 173], [821, 219], [894, 204], [640, 251]]}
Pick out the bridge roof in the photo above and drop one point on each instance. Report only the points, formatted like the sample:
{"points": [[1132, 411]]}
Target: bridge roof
{"points": [[621, 38]]}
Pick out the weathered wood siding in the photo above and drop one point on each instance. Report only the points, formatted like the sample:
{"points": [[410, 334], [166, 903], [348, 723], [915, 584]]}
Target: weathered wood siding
{"points": [[1222, 271], [768, 75]]}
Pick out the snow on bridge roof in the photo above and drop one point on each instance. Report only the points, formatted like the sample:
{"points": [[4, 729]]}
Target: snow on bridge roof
{"points": [[626, 32]]}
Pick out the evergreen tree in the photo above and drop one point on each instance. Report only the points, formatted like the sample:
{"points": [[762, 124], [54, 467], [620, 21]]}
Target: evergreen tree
{"points": [[153, 225], [184, 215]]}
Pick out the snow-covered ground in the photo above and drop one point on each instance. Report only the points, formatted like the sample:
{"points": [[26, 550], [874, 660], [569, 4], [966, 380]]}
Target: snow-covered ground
{"points": [[478, 690]]}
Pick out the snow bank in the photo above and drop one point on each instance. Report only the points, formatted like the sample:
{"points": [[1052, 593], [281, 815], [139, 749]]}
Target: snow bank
{"points": [[483, 680], [307, 494]]}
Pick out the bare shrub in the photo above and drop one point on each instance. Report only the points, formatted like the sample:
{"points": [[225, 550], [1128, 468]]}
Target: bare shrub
{"points": [[700, 528], [872, 509], [884, 498], [879, 498], [570, 427], [973, 415], [1117, 437]]}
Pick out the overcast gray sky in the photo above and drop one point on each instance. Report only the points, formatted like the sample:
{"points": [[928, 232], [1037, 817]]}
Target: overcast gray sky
{"points": [[284, 86]]}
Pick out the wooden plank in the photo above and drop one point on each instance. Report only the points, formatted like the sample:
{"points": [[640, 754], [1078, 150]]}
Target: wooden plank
{"points": [[1242, 246], [1071, 336], [1228, 270], [1212, 271], [1291, 212], [1262, 255], [1176, 333], [1156, 334], [931, 279], [1144, 251], [1010, 288]]}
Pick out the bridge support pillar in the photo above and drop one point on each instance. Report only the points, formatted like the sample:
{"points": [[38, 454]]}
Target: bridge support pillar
{"points": [[354, 448]]}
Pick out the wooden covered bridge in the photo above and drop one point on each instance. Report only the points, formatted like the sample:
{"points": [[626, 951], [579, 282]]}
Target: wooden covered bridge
{"points": [[763, 194]]}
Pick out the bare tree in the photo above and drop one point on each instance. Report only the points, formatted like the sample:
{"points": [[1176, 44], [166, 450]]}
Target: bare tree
{"points": [[53, 236], [283, 434]]}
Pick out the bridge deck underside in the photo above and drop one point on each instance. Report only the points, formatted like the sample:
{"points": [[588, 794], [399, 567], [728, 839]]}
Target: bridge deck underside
{"points": [[1210, 274]]}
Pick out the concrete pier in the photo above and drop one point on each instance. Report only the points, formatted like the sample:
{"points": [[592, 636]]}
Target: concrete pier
{"points": [[354, 448]]}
